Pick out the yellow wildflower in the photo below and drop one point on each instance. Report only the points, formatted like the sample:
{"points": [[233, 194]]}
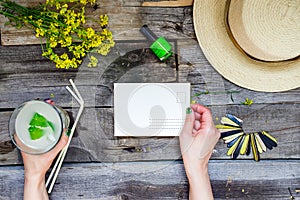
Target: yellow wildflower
{"points": [[64, 56], [53, 44], [58, 6], [67, 42], [39, 32], [67, 30], [39, 22], [48, 52], [54, 57], [53, 29], [103, 20], [83, 2], [92, 1], [103, 50], [90, 32], [93, 61], [61, 22], [54, 15], [63, 9], [81, 16], [248, 102]]}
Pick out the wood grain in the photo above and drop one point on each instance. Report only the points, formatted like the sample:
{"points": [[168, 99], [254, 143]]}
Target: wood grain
{"points": [[97, 164], [35, 77], [126, 17], [176, 3], [162, 180], [95, 140]]}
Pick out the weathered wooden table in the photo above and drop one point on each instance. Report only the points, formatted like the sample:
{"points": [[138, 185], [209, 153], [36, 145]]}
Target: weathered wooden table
{"points": [[101, 166]]}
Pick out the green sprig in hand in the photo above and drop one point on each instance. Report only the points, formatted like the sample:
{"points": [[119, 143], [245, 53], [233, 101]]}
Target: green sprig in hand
{"points": [[61, 23]]}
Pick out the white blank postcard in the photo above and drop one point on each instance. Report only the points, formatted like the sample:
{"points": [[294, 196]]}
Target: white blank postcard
{"points": [[150, 109]]}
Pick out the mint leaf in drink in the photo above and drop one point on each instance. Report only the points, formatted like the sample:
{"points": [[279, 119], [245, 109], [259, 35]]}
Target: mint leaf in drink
{"points": [[35, 132], [39, 126], [51, 126], [38, 120]]}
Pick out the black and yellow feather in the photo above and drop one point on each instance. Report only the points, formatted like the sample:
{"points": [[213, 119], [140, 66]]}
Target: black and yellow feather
{"points": [[241, 143]]}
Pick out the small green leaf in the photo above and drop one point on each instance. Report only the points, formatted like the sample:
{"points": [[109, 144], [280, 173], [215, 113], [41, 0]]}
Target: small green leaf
{"points": [[51, 126], [39, 120], [35, 133]]}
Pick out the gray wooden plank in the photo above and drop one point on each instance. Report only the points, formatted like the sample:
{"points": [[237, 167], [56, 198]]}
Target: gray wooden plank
{"points": [[95, 140], [34, 77], [51, 85], [162, 180]]}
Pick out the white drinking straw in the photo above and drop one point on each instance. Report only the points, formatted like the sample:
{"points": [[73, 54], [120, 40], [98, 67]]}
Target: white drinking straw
{"points": [[63, 152]]}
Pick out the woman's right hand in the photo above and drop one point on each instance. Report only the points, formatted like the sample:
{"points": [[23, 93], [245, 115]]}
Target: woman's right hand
{"points": [[198, 136], [197, 140]]}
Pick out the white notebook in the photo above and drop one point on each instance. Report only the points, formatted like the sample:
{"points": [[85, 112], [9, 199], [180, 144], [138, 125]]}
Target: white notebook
{"points": [[150, 109]]}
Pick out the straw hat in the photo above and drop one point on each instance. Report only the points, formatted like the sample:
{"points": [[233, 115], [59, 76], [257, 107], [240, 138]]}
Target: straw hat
{"points": [[253, 43]]}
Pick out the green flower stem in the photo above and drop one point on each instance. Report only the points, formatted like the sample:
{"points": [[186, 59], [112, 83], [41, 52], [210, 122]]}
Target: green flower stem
{"points": [[18, 8], [26, 12], [9, 15], [209, 92]]}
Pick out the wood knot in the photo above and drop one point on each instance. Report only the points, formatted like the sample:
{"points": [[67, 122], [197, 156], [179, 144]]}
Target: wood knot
{"points": [[124, 197], [6, 147]]}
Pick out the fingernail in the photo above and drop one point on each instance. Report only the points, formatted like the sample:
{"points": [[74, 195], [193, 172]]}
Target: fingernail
{"points": [[188, 110], [68, 132]]}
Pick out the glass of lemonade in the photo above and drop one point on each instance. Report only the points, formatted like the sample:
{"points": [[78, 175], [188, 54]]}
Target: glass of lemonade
{"points": [[36, 126]]}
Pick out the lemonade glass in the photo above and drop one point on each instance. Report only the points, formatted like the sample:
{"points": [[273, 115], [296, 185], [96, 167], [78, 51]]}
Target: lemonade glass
{"points": [[36, 126]]}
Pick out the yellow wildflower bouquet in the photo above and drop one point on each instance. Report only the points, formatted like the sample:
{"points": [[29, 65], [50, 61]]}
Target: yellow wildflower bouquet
{"points": [[62, 24]]}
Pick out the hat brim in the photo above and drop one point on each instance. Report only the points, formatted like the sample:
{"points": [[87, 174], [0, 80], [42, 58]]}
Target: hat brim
{"points": [[230, 61]]}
